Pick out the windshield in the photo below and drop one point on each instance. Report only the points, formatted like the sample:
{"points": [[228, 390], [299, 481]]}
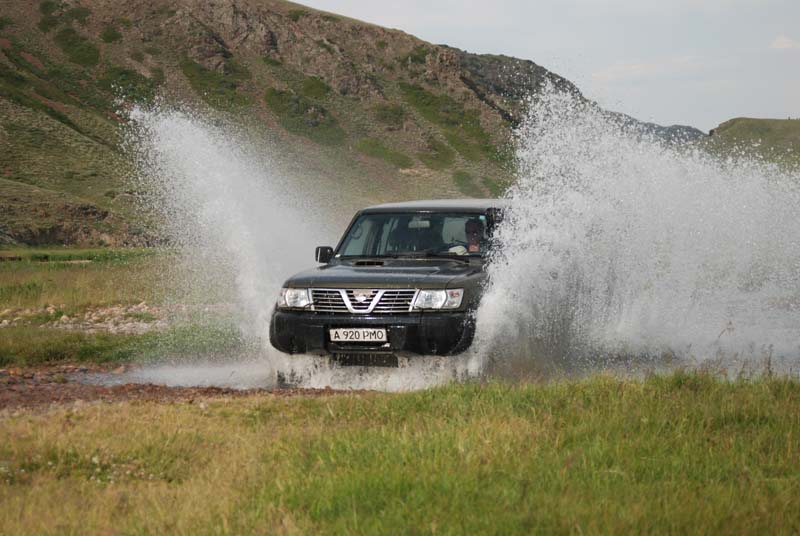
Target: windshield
{"points": [[416, 234]]}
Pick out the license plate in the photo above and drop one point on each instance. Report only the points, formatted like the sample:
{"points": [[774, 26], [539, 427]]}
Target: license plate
{"points": [[358, 335]]}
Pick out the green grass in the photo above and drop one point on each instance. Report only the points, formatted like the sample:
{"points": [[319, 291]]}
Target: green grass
{"points": [[438, 156], [775, 140], [376, 149], [77, 48], [111, 35], [219, 89], [51, 277], [314, 88], [127, 83], [6, 22], [302, 116], [466, 184], [445, 111], [683, 453], [272, 62]]}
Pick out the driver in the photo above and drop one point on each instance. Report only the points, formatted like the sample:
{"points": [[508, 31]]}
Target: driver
{"points": [[474, 230]]}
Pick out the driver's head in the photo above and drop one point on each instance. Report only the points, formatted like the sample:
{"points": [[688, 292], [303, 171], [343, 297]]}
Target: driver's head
{"points": [[474, 231], [474, 227]]}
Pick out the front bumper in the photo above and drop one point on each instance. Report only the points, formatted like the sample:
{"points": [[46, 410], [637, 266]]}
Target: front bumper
{"points": [[424, 333]]}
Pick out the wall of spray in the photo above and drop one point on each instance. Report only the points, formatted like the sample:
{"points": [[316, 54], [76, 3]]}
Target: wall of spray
{"points": [[619, 245]]}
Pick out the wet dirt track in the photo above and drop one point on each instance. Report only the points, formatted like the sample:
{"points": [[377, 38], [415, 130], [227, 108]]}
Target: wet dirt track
{"points": [[44, 386]]}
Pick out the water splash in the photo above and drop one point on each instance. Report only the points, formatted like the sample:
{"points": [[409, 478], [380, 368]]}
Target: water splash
{"points": [[226, 205], [617, 245]]}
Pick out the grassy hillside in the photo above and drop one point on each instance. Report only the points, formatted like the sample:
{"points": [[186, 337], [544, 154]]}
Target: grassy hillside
{"points": [[680, 454], [378, 112], [776, 140]]}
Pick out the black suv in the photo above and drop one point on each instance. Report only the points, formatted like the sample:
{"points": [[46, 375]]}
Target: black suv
{"points": [[404, 280]]}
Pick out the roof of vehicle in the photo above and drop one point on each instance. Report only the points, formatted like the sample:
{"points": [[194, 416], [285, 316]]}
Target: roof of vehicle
{"points": [[437, 205]]}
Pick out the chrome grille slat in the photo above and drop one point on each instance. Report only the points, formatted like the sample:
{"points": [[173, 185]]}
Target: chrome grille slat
{"points": [[391, 301]]}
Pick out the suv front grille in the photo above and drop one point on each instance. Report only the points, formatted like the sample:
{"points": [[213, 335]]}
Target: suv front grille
{"points": [[363, 301]]}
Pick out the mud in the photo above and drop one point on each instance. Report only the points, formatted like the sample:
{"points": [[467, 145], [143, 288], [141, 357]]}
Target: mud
{"points": [[40, 387]]}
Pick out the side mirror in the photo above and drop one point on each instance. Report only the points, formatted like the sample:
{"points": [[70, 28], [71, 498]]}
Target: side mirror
{"points": [[324, 254]]}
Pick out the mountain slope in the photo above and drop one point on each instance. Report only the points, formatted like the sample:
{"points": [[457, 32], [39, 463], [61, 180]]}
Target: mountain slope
{"points": [[777, 140], [375, 113]]}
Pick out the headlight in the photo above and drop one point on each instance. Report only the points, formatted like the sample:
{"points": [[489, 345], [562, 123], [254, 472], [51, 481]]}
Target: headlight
{"points": [[439, 299], [294, 298]]}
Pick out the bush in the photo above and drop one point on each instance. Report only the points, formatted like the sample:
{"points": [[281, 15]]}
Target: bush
{"points": [[314, 88], [127, 83], [111, 35], [77, 48]]}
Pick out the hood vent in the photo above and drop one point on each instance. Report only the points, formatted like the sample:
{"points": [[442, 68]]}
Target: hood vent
{"points": [[368, 263]]}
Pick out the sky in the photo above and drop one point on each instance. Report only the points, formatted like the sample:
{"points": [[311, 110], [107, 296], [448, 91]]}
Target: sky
{"points": [[691, 62]]}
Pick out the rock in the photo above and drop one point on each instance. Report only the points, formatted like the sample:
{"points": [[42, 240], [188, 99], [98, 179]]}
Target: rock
{"points": [[4, 323], [64, 319], [6, 312]]}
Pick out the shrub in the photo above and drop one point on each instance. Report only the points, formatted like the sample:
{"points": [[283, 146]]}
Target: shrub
{"points": [[77, 48], [5, 22], [111, 35], [129, 84], [314, 88], [78, 14]]}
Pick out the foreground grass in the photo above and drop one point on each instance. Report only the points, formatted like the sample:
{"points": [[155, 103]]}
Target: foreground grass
{"points": [[77, 278], [683, 453]]}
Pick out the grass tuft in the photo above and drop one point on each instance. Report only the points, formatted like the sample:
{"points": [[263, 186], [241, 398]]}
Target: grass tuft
{"points": [[5, 22]]}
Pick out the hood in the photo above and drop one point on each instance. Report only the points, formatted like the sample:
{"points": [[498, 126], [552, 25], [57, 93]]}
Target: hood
{"points": [[392, 274]]}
